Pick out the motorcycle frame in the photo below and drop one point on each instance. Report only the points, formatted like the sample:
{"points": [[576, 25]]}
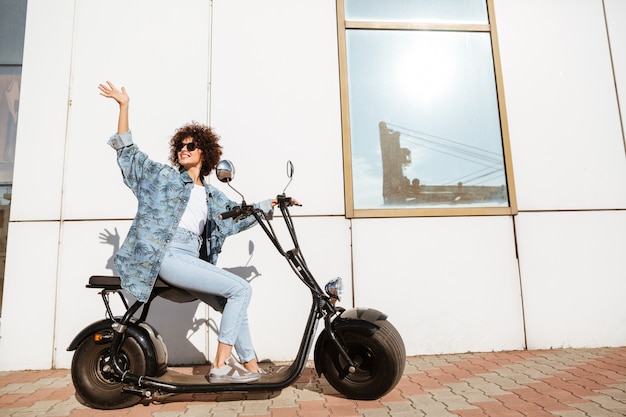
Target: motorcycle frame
{"points": [[322, 306]]}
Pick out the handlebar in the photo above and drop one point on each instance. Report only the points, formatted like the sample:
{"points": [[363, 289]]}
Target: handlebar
{"points": [[245, 210], [286, 201]]}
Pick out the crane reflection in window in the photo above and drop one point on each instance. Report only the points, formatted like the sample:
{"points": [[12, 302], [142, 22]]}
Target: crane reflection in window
{"points": [[482, 166]]}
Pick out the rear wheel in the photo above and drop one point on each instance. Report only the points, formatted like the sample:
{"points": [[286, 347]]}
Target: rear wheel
{"points": [[95, 383], [379, 360]]}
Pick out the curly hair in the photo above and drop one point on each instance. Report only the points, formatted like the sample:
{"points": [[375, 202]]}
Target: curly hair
{"points": [[204, 138]]}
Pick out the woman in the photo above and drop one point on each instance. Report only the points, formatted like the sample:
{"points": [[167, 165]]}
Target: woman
{"points": [[176, 205]]}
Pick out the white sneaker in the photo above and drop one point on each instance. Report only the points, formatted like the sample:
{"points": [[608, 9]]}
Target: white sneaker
{"points": [[232, 372]]}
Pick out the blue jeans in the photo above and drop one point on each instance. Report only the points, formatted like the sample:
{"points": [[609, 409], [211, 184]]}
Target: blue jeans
{"points": [[183, 268]]}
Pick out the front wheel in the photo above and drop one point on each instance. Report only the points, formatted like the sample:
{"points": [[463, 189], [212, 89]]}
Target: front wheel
{"points": [[379, 358], [95, 382]]}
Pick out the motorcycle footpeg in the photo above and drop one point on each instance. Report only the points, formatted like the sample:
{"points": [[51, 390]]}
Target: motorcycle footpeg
{"points": [[141, 392]]}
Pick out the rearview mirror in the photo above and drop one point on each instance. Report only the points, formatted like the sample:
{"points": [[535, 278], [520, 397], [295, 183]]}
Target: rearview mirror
{"points": [[225, 171]]}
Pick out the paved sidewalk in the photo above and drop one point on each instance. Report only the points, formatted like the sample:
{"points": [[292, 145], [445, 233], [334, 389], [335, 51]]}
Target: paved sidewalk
{"points": [[564, 382]]}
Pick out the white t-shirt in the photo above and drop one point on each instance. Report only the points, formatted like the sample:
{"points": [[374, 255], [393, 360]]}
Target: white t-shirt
{"points": [[196, 212]]}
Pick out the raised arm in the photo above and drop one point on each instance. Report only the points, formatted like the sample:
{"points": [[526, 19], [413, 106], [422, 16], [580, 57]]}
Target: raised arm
{"points": [[122, 98]]}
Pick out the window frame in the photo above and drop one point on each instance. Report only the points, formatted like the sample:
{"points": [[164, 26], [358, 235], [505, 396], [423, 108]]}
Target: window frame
{"points": [[342, 27]]}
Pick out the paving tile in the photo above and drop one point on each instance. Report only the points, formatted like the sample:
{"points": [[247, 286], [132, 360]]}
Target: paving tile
{"points": [[344, 410], [450, 399], [485, 386], [437, 410], [471, 393], [256, 407], [411, 413], [496, 408], [609, 404], [284, 412], [368, 405], [376, 412], [592, 409], [499, 381], [200, 410], [441, 376], [408, 387], [527, 408], [312, 405], [399, 408], [426, 382], [576, 413], [560, 395], [474, 369], [616, 394], [476, 412], [421, 401]]}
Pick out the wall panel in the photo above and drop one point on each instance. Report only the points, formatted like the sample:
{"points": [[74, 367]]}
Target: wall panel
{"points": [[566, 138], [30, 296], [275, 96], [616, 20], [160, 53], [572, 267], [447, 284], [42, 130]]}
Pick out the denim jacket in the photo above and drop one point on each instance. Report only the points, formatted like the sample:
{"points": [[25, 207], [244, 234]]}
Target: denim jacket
{"points": [[162, 193]]}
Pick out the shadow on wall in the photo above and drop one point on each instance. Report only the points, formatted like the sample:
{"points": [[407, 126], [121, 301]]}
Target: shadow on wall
{"points": [[179, 324]]}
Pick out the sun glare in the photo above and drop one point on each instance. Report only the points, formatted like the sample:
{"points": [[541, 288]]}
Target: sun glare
{"points": [[425, 75]]}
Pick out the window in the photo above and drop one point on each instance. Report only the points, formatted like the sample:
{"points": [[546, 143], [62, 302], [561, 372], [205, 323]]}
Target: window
{"points": [[12, 25], [421, 106]]}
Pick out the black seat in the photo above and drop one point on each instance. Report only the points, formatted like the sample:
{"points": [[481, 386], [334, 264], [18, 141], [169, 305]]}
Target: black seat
{"points": [[161, 288], [105, 282]]}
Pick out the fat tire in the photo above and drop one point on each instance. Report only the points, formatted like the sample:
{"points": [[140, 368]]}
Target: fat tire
{"points": [[96, 388], [380, 358]]}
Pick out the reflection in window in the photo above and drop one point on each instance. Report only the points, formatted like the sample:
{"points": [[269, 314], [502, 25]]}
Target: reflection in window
{"points": [[423, 111], [397, 145], [12, 26], [457, 11], [10, 78]]}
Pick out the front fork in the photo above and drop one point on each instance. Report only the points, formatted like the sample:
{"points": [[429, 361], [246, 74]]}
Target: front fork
{"points": [[326, 306], [350, 367], [119, 334]]}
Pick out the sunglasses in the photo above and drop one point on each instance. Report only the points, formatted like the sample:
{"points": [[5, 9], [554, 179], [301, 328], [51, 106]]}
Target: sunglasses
{"points": [[191, 146]]}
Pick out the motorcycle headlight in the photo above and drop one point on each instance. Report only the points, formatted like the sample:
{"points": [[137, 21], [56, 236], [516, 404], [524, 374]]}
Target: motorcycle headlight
{"points": [[334, 289]]}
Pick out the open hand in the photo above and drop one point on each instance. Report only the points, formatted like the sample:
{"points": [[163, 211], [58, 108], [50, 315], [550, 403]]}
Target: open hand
{"points": [[109, 90]]}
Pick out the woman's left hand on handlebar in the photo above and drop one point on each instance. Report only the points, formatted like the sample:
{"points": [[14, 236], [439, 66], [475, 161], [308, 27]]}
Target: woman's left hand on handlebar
{"points": [[294, 202]]}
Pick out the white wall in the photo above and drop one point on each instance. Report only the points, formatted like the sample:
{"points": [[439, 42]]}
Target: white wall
{"points": [[265, 75]]}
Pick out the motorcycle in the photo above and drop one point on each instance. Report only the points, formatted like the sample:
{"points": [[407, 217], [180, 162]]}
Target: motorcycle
{"points": [[121, 361]]}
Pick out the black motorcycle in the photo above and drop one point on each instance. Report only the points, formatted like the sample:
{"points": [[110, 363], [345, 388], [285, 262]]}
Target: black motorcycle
{"points": [[122, 360]]}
